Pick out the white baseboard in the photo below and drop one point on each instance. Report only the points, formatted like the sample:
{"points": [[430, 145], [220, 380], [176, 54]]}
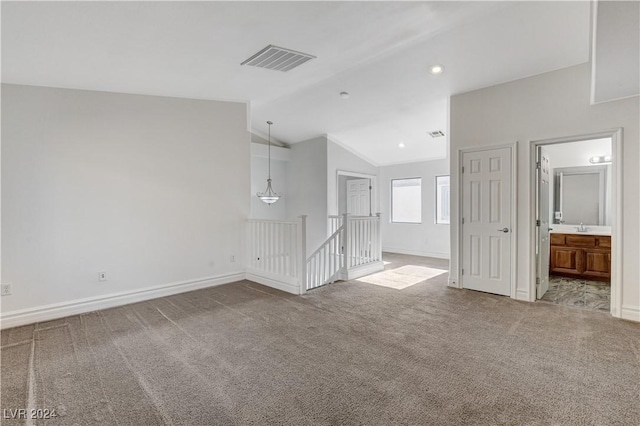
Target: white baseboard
{"points": [[362, 270], [90, 304], [273, 282], [453, 282], [631, 313], [522, 295], [416, 252]]}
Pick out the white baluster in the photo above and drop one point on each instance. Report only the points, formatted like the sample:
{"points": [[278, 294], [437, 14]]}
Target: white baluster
{"points": [[302, 250], [345, 242], [281, 249], [370, 240]]}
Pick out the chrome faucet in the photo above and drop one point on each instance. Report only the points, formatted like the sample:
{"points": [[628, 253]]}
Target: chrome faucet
{"points": [[582, 228]]}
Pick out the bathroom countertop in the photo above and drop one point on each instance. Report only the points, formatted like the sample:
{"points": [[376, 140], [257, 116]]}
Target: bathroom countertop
{"points": [[573, 229]]}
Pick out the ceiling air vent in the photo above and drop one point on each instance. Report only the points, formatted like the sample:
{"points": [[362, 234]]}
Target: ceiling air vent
{"points": [[278, 58], [436, 134]]}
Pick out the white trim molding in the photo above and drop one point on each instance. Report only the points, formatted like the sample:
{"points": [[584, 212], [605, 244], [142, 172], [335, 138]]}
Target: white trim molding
{"points": [[351, 150], [446, 256], [273, 281], [522, 295], [631, 313], [364, 270], [90, 304]]}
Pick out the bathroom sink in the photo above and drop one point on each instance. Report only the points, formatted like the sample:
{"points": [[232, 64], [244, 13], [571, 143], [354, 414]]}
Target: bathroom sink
{"points": [[573, 229]]}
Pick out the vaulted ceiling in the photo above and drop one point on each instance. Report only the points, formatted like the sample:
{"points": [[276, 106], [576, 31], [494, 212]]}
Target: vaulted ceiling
{"points": [[379, 52]]}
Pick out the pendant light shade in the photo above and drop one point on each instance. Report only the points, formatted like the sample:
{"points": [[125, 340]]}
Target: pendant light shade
{"points": [[269, 196]]}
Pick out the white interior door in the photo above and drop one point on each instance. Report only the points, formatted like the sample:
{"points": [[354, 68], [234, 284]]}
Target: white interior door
{"points": [[486, 221], [543, 169], [358, 197]]}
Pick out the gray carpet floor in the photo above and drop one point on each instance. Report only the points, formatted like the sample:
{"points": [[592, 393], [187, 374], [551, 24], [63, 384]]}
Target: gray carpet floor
{"points": [[350, 353]]}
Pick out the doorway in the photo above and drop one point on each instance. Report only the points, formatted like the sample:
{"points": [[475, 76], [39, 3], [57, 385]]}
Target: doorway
{"points": [[356, 193], [576, 192]]}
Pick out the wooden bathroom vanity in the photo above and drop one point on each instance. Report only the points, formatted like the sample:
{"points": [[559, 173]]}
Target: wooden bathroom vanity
{"points": [[581, 256]]}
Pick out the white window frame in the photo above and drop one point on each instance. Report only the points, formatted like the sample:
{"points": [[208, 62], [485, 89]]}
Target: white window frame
{"points": [[391, 204]]}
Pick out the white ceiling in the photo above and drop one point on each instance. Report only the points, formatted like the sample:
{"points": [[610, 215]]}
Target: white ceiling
{"points": [[379, 52]]}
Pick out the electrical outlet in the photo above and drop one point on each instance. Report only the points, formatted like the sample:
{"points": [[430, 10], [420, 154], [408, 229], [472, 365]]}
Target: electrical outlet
{"points": [[5, 290], [102, 276], [233, 258]]}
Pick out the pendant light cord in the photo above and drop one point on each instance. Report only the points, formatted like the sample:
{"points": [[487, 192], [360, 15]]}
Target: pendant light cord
{"points": [[269, 123], [269, 196]]}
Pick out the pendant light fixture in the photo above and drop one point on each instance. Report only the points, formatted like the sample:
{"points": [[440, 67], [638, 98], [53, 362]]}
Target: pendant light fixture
{"points": [[269, 196]]}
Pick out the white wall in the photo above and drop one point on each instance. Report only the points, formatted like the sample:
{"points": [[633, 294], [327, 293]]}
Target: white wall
{"points": [[339, 159], [280, 158], [307, 187], [546, 106], [427, 238], [151, 190], [576, 154]]}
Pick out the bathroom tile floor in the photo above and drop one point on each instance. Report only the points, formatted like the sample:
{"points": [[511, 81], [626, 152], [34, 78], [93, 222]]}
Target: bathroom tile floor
{"points": [[593, 295]]}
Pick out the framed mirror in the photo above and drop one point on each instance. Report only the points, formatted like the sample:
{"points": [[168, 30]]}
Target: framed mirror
{"points": [[581, 195]]}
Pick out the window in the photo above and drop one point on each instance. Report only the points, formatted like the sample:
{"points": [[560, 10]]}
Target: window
{"points": [[443, 199], [406, 200]]}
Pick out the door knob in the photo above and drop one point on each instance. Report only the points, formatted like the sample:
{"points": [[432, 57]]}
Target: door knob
{"points": [[505, 230]]}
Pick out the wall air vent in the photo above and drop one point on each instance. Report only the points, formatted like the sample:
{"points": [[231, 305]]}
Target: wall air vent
{"points": [[436, 134], [278, 58]]}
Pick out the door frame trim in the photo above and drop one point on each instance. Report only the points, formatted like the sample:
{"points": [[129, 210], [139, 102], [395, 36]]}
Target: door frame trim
{"points": [[616, 206], [514, 217]]}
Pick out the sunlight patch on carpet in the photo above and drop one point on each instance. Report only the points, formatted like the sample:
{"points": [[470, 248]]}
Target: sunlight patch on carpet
{"points": [[402, 277]]}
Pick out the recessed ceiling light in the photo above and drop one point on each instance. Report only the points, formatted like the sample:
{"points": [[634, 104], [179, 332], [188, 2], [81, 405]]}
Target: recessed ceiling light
{"points": [[400, 145], [344, 95], [437, 69]]}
